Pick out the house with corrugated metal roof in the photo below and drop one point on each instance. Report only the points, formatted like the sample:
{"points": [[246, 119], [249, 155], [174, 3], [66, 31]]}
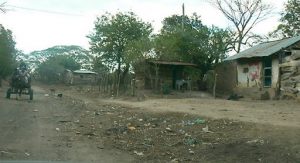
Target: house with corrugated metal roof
{"points": [[83, 76], [169, 73], [269, 67]]}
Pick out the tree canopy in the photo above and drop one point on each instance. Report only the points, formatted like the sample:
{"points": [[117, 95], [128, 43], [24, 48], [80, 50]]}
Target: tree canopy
{"points": [[290, 21], [7, 52], [52, 69], [186, 39], [112, 33]]}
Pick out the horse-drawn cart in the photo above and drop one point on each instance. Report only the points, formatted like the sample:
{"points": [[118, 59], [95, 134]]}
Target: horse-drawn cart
{"points": [[20, 84]]}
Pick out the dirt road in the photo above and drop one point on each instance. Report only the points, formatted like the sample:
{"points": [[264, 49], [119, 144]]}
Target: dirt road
{"points": [[78, 128], [279, 113], [35, 130]]}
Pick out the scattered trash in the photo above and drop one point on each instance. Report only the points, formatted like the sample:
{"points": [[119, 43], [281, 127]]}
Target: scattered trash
{"points": [[140, 120], [4, 152], [90, 134], [256, 141], [131, 128], [147, 124], [46, 95], [57, 129], [138, 153], [175, 160], [205, 129], [64, 121], [190, 141], [199, 121], [35, 110], [181, 131], [191, 152], [27, 154], [193, 122], [77, 121], [169, 129], [77, 132]]}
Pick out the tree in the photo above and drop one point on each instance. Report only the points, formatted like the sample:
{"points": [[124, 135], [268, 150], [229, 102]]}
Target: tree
{"points": [[138, 51], [244, 15], [52, 69], [7, 52], [112, 33], [193, 42], [290, 21]]}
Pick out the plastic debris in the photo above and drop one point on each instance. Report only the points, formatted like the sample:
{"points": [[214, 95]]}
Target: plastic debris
{"points": [[57, 129], [199, 121], [205, 129], [190, 141], [256, 141], [138, 153], [169, 129], [131, 128]]}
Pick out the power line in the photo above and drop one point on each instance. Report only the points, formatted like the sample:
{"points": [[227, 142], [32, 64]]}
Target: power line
{"points": [[44, 11], [2, 7]]}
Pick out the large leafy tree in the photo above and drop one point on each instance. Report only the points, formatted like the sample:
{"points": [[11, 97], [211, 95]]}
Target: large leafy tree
{"points": [[112, 34], [290, 21], [244, 16], [7, 52], [187, 39], [52, 69]]}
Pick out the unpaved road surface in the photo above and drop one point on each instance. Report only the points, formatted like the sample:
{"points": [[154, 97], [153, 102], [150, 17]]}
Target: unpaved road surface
{"points": [[281, 113], [78, 128], [35, 130]]}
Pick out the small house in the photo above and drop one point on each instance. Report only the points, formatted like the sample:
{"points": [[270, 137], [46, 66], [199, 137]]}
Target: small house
{"points": [[164, 72], [271, 67], [83, 76]]}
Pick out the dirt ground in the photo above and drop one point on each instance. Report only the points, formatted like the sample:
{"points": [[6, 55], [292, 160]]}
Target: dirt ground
{"points": [[85, 128]]}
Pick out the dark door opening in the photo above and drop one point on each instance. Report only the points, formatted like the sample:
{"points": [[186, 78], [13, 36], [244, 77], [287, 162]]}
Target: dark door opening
{"points": [[267, 72]]}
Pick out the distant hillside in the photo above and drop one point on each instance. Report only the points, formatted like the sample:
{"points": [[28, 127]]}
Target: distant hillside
{"points": [[35, 58]]}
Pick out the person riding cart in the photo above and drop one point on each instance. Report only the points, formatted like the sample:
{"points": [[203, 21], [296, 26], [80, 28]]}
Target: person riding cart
{"points": [[23, 71], [20, 82]]}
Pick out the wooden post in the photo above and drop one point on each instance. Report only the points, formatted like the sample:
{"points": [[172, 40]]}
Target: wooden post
{"points": [[118, 84], [133, 87], [215, 85]]}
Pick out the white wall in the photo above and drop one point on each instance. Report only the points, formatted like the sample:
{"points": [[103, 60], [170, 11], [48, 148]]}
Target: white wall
{"points": [[252, 77], [275, 72]]}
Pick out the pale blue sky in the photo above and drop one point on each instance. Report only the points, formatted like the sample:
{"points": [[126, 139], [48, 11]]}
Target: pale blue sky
{"points": [[34, 30]]}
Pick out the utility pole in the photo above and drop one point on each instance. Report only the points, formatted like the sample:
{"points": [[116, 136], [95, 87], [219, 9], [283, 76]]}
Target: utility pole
{"points": [[183, 17]]}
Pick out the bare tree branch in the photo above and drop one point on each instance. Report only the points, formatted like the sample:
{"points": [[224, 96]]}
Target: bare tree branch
{"points": [[244, 15]]}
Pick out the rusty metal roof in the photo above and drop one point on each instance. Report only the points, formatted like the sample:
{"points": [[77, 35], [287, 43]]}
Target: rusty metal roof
{"points": [[265, 49], [83, 71], [172, 63]]}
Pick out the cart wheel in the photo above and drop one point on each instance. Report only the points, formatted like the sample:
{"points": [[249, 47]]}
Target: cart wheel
{"points": [[30, 94], [8, 93]]}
